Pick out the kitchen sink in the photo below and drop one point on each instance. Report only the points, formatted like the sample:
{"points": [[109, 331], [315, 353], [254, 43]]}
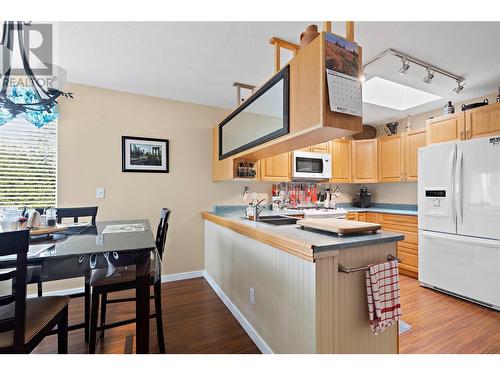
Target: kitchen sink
{"points": [[278, 220]]}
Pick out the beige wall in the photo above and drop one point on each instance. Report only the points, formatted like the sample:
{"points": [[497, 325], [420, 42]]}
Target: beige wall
{"points": [[90, 129]]}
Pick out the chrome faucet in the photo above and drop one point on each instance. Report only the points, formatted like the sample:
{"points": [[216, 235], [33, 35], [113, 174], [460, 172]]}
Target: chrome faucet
{"points": [[257, 208]]}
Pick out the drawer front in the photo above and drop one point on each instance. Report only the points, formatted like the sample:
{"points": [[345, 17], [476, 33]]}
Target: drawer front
{"points": [[399, 219], [352, 216], [410, 236], [361, 216], [408, 259], [373, 217], [408, 248]]}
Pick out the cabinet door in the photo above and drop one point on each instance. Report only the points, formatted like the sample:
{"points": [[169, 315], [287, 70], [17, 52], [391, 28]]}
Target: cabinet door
{"points": [[391, 158], [362, 216], [275, 168], [364, 161], [483, 121], [372, 217], [352, 216], [446, 128], [321, 147], [341, 161], [413, 141]]}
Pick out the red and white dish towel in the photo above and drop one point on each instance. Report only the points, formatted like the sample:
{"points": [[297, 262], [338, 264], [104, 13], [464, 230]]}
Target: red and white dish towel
{"points": [[382, 289]]}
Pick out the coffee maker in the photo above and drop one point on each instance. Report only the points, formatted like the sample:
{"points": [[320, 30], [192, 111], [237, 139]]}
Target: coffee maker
{"points": [[363, 198]]}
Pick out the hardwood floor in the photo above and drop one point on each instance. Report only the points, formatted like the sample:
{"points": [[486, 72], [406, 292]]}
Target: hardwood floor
{"points": [[196, 321], [444, 324], [194, 318]]}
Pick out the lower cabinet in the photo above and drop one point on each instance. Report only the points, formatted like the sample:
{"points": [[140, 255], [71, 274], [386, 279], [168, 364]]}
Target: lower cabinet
{"points": [[404, 224]]}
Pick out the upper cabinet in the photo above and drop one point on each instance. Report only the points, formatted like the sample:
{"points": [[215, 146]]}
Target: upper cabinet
{"points": [[445, 128], [364, 161], [473, 123], [321, 147], [482, 121], [412, 142], [341, 160], [391, 158], [276, 168]]}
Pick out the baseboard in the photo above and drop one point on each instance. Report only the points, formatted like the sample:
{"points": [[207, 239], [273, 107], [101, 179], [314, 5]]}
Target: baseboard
{"points": [[164, 279], [261, 344], [181, 276]]}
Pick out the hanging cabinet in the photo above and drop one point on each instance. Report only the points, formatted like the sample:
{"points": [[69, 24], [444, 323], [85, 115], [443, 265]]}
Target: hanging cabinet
{"points": [[391, 158], [364, 161], [341, 161], [412, 142], [276, 168], [482, 121]]}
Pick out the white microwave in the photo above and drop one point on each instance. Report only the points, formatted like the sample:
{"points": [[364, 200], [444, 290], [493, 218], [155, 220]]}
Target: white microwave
{"points": [[311, 165]]}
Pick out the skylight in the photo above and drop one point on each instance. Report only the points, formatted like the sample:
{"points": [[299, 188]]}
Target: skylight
{"points": [[393, 95]]}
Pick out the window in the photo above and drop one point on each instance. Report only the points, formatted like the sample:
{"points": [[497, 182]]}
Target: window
{"points": [[28, 164]]}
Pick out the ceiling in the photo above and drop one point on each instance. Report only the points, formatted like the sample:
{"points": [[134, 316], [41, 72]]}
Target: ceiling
{"points": [[199, 61]]}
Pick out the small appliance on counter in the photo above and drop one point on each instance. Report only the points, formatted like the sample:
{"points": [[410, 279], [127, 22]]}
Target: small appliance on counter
{"points": [[363, 198]]}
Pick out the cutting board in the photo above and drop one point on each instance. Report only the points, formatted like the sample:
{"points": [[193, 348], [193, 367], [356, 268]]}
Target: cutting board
{"points": [[339, 226], [48, 230]]}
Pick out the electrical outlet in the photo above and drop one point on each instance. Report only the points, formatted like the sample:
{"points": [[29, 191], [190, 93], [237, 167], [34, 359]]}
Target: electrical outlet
{"points": [[99, 193], [252, 296]]}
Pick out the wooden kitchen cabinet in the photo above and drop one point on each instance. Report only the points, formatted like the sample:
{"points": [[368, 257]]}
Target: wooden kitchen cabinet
{"points": [[364, 161], [362, 216], [446, 128], [372, 217], [321, 147], [408, 248], [391, 158], [412, 142], [341, 161], [276, 168], [483, 121]]}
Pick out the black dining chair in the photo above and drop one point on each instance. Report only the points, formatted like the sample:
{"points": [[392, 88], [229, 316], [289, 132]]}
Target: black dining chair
{"points": [[24, 323], [125, 280], [75, 213]]}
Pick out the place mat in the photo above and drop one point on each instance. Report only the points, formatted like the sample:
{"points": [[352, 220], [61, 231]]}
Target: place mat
{"points": [[124, 228]]}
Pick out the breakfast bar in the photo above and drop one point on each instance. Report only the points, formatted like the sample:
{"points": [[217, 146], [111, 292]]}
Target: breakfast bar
{"points": [[291, 288]]}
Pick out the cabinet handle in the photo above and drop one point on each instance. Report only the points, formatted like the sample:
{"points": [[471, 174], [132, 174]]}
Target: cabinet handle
{"points": [[401, 176], [467, 133], [461, 134], [406, 175]]}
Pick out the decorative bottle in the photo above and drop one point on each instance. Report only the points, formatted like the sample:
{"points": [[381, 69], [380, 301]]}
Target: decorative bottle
{"points": [[449, 109]]}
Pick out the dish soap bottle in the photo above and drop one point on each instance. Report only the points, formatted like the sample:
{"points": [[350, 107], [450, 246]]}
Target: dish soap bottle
{"points": [[449, 109]]}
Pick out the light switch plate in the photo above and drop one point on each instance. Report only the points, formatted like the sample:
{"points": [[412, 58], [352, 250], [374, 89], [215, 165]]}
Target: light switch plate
{"points": [[99, 193], [252, 296]]}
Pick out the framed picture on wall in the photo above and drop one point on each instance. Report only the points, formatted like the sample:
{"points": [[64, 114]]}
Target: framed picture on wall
{"points": [[144, 155]]}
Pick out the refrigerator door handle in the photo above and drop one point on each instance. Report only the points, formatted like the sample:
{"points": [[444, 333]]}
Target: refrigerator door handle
{"points": [[458, 187], [452, 184]]}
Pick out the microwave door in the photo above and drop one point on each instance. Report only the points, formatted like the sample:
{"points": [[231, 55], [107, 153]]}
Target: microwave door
{"points": [[312, 166]]}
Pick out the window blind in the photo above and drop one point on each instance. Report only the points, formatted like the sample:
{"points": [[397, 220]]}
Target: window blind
{"points": [[28, 164]]}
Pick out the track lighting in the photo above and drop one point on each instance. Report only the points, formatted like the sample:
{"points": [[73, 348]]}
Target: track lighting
{"points": [[405, 67], [430, 75], [460, 86]]}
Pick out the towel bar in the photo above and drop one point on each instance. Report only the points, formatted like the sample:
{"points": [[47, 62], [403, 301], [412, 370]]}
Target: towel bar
{"points": [[356, 269]]}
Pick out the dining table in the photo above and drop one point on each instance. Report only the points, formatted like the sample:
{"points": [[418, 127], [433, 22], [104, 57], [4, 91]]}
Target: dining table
{"points": [[83, 247]]}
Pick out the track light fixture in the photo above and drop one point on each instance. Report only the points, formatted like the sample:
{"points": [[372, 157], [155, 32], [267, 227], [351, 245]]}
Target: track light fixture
{"points": [[430, 75], [405, 67], [460, 86], [431, 69]]}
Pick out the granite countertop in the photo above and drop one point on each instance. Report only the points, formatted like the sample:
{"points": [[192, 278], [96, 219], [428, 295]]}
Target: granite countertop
{"points": [[308, 240]]}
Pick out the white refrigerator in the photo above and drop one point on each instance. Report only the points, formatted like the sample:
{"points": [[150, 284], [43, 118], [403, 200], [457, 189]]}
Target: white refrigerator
{"points": [[459, 219]]}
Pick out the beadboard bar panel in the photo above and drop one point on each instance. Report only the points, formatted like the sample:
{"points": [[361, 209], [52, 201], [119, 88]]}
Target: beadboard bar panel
{"points": [[284, 311], [294, 247]]}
